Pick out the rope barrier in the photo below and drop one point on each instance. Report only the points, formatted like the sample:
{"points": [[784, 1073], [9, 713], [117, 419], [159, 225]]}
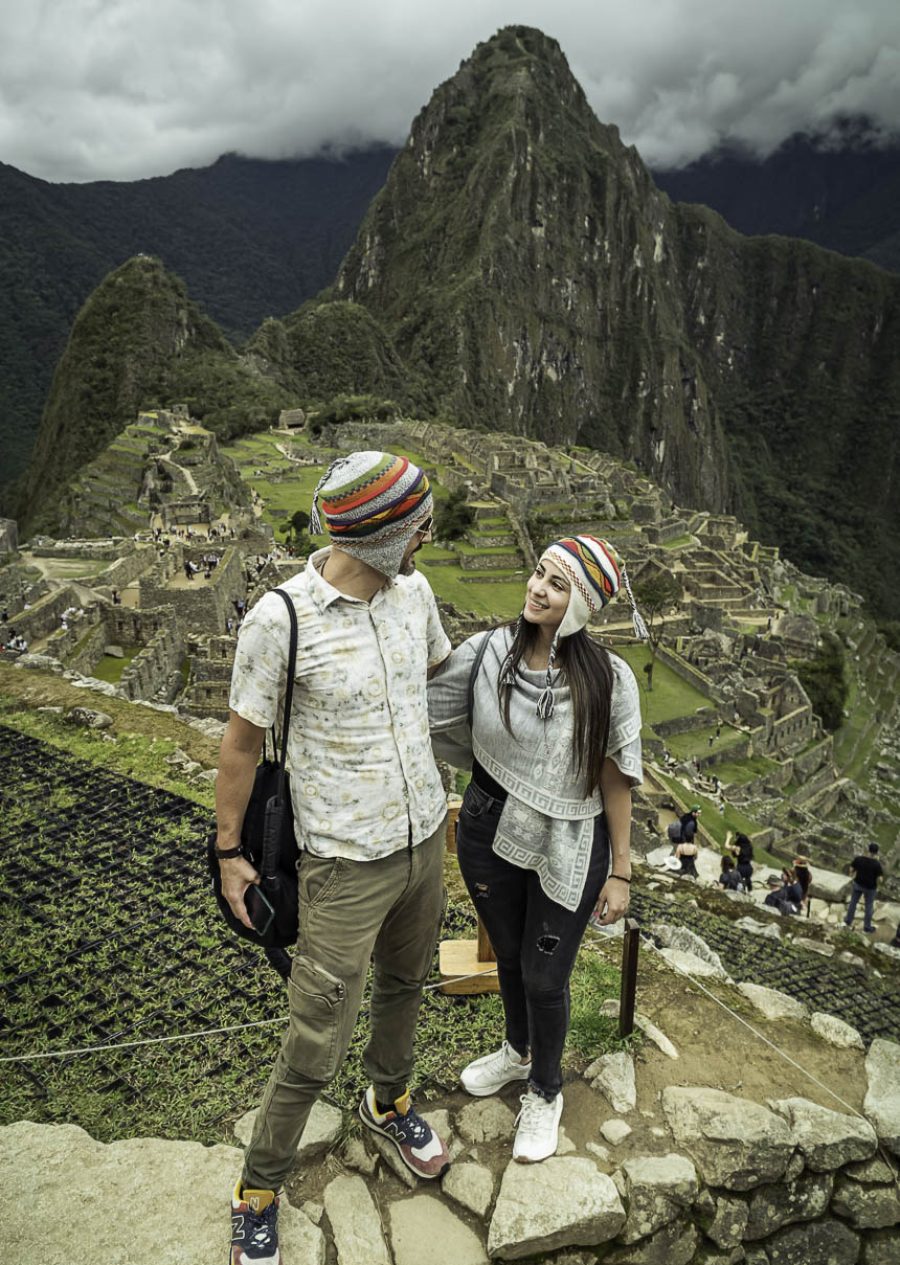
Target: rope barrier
{"points": [[190, 1036]]}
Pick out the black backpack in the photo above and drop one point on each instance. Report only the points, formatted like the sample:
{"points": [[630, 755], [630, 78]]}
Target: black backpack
{"points": [[267, 833]]}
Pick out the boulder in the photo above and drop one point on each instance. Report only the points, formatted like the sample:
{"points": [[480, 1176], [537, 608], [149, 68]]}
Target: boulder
{"points": [[826, 1242], [563, 1202], [355, 1223], [424, 1229], [836, 1032], [610, 1008], [471, 1185], [802, 1199], [813, 946], [771, 1003], [686, 941], [875, 1172], [355, 1155], [391, 1156], [829, 886], [87, 718], [827, 1139], [40, 663], [866, 1207], [613, 1076], [757, 928], [323, 1128], [58, 1163], [735, 1143], [487, 1120], [656, 1190], [882, 1101], [114, 652], [690, 964]]}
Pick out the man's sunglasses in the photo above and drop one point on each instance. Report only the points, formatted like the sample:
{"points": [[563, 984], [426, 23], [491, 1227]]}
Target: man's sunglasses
{"points": [[424, 528]]}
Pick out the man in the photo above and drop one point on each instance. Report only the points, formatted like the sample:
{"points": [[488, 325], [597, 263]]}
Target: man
{"points": [[689, 823], [369, 814], [866, 871]]}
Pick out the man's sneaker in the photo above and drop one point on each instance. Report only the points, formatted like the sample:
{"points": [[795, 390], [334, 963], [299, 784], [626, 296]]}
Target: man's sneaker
{"points": [[420, 1148], [538, 1128], [492, 1071], [254, 1227]]}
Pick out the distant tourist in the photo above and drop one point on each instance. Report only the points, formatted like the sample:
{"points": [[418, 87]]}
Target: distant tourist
{"points": [[804, 877], [866, 871], [543, 813], [116, 598], [686, 854], [689, 823], [730, 878], [742, 849], [788, 897], [370, 814], [648, 673]]}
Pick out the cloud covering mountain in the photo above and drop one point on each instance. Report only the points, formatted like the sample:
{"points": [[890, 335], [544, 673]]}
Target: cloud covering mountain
{"points": [[119, 89]]}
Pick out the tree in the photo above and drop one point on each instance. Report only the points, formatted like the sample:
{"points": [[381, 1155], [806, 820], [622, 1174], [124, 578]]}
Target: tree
{"points": [[825, 681], [654, 596], [454, 516]]}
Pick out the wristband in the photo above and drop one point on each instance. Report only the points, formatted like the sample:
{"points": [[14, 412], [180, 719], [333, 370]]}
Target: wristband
{"points": [[228, 854], [619, 878]]}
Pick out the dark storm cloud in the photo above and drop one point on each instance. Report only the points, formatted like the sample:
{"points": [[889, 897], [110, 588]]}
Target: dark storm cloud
{"points": [[119, 89]]}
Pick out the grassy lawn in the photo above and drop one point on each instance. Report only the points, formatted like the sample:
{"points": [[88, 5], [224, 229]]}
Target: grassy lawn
{"points": [[670, 697], [490, 600], [696, 742], [110, 667], [745, 770]]}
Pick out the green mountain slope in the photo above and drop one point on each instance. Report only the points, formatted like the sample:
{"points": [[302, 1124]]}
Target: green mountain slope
{"points": [[529, 270], [138, 341], [250, 238]]}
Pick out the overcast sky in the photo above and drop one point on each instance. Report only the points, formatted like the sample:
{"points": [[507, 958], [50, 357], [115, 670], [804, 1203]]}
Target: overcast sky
{"points": [[119, 89]]}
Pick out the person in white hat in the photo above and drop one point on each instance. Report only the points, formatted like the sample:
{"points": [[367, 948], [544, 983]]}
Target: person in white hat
{"points": [[556, 751]]}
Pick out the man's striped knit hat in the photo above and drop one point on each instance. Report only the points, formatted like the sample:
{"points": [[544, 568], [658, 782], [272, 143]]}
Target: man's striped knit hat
{"points": [[372, 503], [596, 573]]}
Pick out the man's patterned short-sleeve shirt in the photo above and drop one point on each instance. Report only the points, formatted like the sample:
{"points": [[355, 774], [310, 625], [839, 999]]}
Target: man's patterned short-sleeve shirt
{"points": [[363, 778]]}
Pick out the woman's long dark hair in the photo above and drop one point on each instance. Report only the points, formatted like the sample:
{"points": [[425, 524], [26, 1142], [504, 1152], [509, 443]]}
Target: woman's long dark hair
{"points": [[589, 676]]}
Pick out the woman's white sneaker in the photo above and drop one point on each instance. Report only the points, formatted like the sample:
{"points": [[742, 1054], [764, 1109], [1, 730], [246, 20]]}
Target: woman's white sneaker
{"points": [[492, 1071], [538, 1128]]}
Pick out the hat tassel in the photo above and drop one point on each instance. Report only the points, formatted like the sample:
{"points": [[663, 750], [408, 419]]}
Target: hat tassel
{"points": [[546, 702], [637, 621]]}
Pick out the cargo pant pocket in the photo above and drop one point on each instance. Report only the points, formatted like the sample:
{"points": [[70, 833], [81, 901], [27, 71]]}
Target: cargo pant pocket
{"points": [[318, 1009]]}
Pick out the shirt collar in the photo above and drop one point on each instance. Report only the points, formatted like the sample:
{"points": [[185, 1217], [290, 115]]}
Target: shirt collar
{"points": [[324, 594]]}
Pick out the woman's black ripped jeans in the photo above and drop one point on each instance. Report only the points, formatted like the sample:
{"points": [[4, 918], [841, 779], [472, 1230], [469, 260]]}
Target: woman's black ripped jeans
{"points": [[535, 939]]}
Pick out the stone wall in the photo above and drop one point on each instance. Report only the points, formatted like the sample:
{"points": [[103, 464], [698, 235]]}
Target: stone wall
{"points": [[111, 547], [90, 651], [126, 569], [128, 627], [203, 606], [688, 673], [156, 671]]}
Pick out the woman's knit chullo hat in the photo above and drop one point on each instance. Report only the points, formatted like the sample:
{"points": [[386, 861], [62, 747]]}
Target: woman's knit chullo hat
{"points": [[595, 573], [373, 503]]}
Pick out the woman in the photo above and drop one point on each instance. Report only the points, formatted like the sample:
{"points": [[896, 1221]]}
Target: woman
{"points": [[742, 849], [730, 877], [556, 742], [787, 898]]}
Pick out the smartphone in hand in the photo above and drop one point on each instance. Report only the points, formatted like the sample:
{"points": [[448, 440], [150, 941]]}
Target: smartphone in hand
{"points": [[259, 909]]}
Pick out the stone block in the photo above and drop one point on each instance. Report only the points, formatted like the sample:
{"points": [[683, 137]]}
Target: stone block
{"points": [[471, 1185], [781, 1204], [772, 1003], [355, 1223], [836, 1032], [866, 1207], [674, 1244], [487, 1120], [563, 1202], [56, 1163], [735, 1143], [615, 1131], [424, 1229], [827, 1242], [613, 1076], [729, 1221], [686, 941], [690, 964], [881, 1248], [827, 1139], [656, 1190], [882, 1101]]}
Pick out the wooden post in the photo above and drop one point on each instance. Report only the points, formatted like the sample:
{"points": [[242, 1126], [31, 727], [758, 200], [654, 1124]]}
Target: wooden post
{"points": [[630, 947], [466, 966]]}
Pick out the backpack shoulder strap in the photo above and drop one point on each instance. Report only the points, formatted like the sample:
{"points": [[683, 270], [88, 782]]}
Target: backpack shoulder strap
{"points": [[476, 664], [289, 686]]}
